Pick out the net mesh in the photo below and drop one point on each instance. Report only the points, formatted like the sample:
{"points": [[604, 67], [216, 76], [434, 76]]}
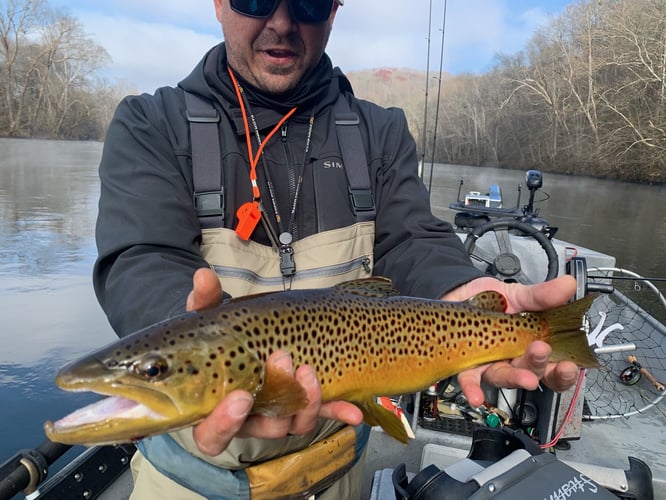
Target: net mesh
{"points": [[631, 319]]}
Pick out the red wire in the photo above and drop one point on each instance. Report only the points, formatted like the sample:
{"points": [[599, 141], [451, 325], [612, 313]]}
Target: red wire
{"points": [[567, 417]]}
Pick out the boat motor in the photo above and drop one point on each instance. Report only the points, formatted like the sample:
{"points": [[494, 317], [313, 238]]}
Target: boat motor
{"points": [[534, 182]]}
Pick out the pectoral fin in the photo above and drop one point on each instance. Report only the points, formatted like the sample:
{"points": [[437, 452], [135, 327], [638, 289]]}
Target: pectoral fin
{"points": [[279, 395], [376, 414]]}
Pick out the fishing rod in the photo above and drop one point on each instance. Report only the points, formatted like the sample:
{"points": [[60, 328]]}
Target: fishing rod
{"points": [[425, 106], [28, 468], [627, 278], [439, 93]]}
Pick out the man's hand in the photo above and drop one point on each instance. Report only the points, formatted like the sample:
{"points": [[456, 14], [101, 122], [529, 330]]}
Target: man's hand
{"points": [[526, 371], [231, 417]]}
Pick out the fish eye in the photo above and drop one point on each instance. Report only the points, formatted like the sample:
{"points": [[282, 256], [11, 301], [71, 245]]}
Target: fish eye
{"points": [[152, 367]]}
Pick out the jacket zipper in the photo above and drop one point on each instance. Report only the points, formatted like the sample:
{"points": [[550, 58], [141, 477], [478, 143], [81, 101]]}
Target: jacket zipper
{"points": [[291, 172], [320, 272]]}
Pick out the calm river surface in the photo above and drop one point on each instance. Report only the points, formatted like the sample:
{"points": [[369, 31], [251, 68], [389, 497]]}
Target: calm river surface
{"points": [[48, 312]]}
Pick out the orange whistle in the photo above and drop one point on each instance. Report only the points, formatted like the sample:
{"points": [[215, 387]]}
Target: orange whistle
{"points": [[249, 216]]}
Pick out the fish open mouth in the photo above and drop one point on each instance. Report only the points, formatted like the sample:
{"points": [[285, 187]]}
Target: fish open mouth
{"points": [[106, 410]]}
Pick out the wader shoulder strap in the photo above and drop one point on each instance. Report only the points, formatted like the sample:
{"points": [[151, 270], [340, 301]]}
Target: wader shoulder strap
{"points": [[354, 160], [206, 161], [207, 165]]}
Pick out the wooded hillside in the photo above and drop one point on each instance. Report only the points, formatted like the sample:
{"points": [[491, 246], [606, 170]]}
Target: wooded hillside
{"points": [[587, 95]]}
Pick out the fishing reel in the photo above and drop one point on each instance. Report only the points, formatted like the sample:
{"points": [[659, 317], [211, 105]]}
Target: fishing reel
{"points": [[630, 375]]}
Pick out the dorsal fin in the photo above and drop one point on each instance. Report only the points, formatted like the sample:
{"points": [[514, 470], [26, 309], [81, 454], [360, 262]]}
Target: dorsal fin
{"points": [[489, 301], [377, 287]]}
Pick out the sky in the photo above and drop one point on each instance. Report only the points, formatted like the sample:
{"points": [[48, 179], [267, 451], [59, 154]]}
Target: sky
{"points": [[157, 42]]}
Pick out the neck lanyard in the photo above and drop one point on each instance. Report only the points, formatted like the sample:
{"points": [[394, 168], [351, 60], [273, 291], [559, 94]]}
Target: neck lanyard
{"points": [[299, 182], [249, 213]]}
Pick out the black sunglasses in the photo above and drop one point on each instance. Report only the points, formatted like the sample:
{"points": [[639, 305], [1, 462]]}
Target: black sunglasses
{"points": [[303, 11]]}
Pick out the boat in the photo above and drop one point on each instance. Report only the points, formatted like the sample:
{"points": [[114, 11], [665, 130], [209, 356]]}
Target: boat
{"points": [[605, 432], [606, 428]]}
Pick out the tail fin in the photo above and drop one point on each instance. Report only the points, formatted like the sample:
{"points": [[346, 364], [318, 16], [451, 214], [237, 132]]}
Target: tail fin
{"points": [[568, 337]]}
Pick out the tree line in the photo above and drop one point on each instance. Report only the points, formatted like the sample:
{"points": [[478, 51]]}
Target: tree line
{"points": [[49, 83], [586, 95]]}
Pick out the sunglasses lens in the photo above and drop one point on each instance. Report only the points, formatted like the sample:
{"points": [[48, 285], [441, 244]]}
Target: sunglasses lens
{"points": [[254, 8], [304, 11], [312, 11]]}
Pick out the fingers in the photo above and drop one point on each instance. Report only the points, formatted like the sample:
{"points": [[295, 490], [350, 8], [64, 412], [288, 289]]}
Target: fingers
{"points": [[231, 417], [499, 374], [535, 358], [470, 384], [306, 420], [541, 296], [558, 376], [561, 376], [537, 297], [206, 290], [524, 372], [271, 427], [216, 431]]}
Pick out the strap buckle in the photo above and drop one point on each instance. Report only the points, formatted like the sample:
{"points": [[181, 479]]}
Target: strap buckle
{"points": [[361, 200], [203, 116], [209, 204]]}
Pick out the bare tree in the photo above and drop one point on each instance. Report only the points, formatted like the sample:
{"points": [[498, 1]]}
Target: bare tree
{"points": [[47, 67], [18, 19]]}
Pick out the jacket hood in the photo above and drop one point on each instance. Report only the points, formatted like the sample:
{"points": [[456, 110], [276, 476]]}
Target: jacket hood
{"points": [[320, 88]]}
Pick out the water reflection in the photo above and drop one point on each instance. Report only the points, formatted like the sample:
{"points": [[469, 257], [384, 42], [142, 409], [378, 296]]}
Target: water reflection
{"points": [[49, 314], [48, 197]]}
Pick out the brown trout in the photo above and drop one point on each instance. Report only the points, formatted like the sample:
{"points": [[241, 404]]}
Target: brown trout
{"points": [[361, 337]]}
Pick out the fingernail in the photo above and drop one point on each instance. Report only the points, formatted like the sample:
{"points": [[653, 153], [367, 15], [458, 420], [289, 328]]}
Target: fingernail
{"points": [[540, 359], [282, 360], [239, 407], [310, 376]]}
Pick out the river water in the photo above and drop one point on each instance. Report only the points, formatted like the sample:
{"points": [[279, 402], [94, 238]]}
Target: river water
{"points": [[48, 312]]}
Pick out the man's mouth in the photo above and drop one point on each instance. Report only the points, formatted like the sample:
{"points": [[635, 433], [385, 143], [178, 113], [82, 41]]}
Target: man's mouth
{"points": [[280, 54]]}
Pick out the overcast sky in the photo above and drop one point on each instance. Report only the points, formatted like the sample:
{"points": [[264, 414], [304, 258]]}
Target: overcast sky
{"points": [[157, 42]]}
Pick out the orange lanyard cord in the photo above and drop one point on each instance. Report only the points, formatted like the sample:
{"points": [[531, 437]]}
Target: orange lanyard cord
{"points": [[254, 160]]}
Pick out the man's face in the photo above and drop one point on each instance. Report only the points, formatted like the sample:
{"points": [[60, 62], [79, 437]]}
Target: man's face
{"points": [[272, 54]]}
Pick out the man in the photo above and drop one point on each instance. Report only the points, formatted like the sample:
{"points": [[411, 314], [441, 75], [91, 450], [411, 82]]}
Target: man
{"points": [[285, 215]]}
